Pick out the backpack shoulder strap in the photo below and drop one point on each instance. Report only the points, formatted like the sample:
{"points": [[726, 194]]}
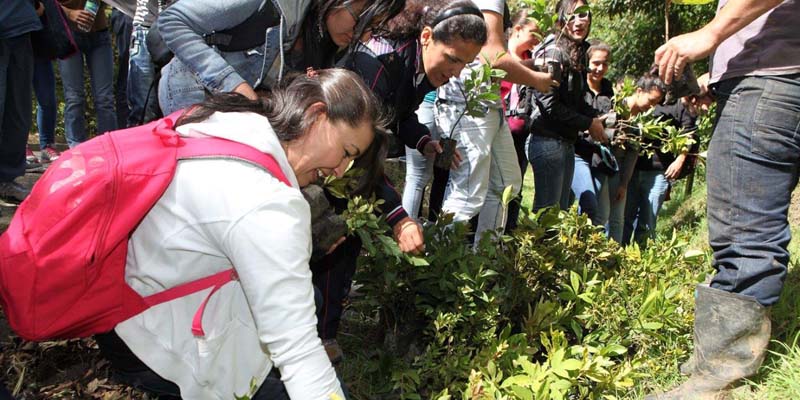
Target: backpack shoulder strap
{"points": [[218, 147], [248, 34]]}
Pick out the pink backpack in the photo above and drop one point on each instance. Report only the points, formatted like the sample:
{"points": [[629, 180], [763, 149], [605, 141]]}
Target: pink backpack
{"points": [[62, 259]]}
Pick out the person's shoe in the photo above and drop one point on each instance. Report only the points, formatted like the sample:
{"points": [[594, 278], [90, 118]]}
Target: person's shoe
{"points": [[49, 154], [731, 334], [30, 157], [13, 191], [334, 351]]}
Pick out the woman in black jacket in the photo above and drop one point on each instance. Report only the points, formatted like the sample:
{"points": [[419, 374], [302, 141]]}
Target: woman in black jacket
{"points": [[558, 116], [420, 49]]}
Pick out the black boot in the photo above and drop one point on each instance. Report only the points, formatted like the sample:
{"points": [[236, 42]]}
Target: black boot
{"points": [[731, 333]]}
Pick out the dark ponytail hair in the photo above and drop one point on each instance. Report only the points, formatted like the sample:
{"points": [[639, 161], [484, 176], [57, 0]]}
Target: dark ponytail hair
{"points": [[467, 25], [648, 82], [319, 51], [599, 45], [347, 99]]}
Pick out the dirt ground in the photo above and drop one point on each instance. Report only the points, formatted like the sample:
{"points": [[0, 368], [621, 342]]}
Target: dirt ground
{"points": [[794, 209]]}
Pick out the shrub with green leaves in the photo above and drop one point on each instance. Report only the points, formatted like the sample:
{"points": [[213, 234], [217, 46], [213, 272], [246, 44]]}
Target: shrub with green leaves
{"points": [[553, 311]]}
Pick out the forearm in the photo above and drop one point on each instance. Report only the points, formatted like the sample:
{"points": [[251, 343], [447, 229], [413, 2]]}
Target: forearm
{"points": [[516, 72], [392, 203], [495, 46], [183, 26]]}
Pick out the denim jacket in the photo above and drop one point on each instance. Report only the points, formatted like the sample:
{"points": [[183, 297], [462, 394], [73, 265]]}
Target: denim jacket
{"points": [[184, 24]]}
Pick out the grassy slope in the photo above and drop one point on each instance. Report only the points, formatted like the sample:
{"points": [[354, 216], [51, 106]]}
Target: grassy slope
{"points": [[779, 377]]}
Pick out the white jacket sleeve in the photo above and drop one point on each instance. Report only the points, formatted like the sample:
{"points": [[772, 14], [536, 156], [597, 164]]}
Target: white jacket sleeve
{"points": [[270, 247]]}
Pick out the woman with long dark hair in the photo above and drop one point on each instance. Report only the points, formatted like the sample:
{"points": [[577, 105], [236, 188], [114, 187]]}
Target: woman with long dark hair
{"points": [[420, 49], [557, 117]]}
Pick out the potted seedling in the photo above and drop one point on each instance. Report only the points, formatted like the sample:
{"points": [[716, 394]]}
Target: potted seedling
{"points": [[480, 89]]}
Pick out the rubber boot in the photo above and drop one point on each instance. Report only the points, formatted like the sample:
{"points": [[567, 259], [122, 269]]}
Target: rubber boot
{"points": [[731, 333]]}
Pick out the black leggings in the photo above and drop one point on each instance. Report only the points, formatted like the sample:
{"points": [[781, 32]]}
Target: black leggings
{"points": [[129, 370]]}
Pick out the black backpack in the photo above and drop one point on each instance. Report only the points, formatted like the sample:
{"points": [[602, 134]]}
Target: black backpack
{"points": [[248, 34], [55, 39]]}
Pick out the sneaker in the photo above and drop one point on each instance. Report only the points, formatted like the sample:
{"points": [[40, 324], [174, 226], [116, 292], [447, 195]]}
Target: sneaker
{"points": [[30, 157], [334, 351], [13, 191], [49, 154]]}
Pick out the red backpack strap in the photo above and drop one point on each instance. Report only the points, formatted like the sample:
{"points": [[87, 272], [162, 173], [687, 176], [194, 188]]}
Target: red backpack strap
{"points": [[211, 147], [215, 147]]}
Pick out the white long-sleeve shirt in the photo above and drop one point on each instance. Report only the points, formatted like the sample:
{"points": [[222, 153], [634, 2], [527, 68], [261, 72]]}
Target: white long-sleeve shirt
{"points": [[216, 214]]}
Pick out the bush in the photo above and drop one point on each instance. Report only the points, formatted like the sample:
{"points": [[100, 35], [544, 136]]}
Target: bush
{"points": [[553, 311]]}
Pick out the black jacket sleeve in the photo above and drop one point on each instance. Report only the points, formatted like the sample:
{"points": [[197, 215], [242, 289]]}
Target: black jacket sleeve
{"points": [[393, 204], [556, 106], [386, 87]]}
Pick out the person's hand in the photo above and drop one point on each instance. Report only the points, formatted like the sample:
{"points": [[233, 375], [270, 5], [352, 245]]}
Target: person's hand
{"points": [[456, 160], [598, 131], [408, 234], [81, 18], [622, 191], [246, 90], [40, 10], [544, 82], [673, 56], [335, 245], [433, 147], [674, 169]]}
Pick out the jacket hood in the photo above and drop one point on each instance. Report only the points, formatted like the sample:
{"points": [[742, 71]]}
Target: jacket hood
{"points": [[247, 128]]}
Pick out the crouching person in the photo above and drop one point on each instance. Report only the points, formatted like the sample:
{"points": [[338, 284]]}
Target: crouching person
{"points": [[260, 330]]}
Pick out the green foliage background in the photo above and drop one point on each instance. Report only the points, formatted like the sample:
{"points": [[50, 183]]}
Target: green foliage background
{"points": [[636, 28]]}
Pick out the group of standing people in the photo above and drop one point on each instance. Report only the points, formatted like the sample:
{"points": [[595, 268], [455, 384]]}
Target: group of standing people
{"points": [[257, 72]]}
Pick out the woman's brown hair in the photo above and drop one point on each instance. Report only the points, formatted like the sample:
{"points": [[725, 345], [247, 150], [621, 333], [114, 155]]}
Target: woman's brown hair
{"points": [[347, 99]]}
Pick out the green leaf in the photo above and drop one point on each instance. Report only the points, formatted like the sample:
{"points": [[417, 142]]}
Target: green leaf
{"points": [[693, 255], [652, 326], [691, 2], [615, 349], [581, 9], [575, 281], [522, 393], [417, 261], [508, 194]]}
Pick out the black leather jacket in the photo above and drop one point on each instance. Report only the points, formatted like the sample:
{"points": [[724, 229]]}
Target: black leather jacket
{"points": [[563, 112]]}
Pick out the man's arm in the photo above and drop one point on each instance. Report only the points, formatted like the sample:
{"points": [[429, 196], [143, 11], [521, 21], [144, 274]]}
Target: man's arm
{"points": [[673, 56], [515, 71]]}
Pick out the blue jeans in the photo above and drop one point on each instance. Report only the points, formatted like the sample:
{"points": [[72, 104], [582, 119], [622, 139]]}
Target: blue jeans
{"points": [[522, 159], [122, 25], [44, 85], [142, 88], [16, 75], [95, 49], [586, 188], [612, 212], [419, 169], [553, 162], [646, 193], [752, 169]]}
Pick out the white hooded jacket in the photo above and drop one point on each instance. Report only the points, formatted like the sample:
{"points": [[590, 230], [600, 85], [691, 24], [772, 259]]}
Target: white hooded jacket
{"points": [[215, 214]]}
